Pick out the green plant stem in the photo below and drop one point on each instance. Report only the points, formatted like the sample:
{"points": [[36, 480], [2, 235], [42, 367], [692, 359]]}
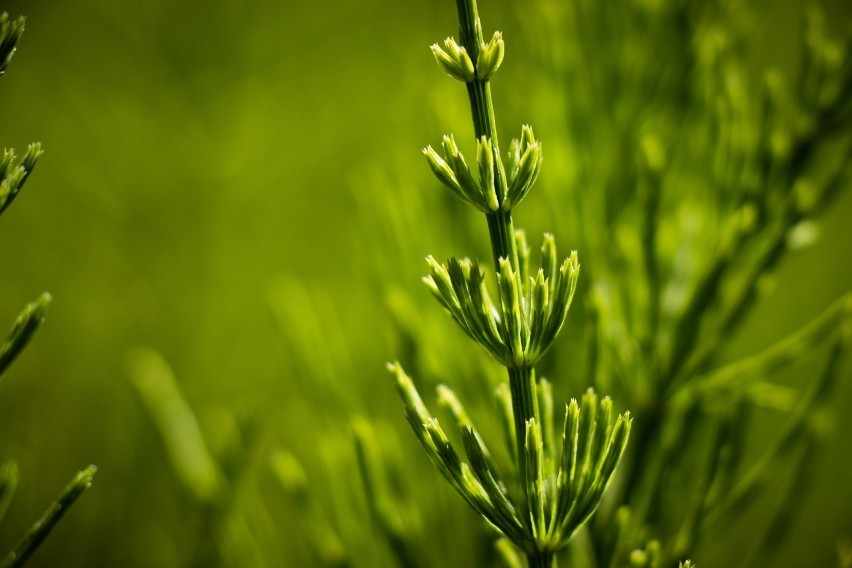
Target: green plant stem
{"points": [[644, 451], [541, 559], [500, 226], [502, 233], [524, 407], [651, 266], [39, 531], [470, 34]]}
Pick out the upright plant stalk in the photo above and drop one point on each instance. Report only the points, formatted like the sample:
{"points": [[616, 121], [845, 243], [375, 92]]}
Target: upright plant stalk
{"points": [[500, 226], [555, 494]]}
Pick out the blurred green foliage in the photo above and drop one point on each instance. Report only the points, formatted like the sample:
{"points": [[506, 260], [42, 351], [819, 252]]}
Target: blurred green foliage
{"points": [[239, 186]]}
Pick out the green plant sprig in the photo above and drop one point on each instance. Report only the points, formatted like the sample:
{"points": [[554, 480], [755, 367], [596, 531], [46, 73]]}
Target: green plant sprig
{"points": [[42, 528], [14, 173], [10, 33], [26, 325], [558, 493]]}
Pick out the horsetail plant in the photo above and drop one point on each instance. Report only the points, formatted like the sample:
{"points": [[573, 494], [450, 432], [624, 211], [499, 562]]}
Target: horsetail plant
{"points": [[556, 491], [681, 248], [14, 172]]}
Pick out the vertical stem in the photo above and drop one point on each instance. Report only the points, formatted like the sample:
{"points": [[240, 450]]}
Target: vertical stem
{"points": [[501, 230], [643, 450], [651, 204], [541, 559], [524, 407], [502, 233], [484, 124]]}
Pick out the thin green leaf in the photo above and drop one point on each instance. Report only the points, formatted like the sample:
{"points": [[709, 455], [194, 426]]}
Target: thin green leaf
{"points": [[9, 476], [42, 528], [26, 325]]}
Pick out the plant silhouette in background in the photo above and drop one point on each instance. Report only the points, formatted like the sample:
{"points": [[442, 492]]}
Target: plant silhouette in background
{"points": [[687, 195], [211, 466], [14, 172]]}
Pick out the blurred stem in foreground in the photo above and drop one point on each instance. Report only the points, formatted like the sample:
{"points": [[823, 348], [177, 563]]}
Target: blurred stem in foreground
{"points": [[211, 480]]}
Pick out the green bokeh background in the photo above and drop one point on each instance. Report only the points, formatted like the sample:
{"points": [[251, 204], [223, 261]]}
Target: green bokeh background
{"points": [[197, 153]]}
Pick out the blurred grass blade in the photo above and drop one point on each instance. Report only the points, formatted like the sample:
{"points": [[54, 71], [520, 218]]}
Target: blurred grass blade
{"points": [[508, 554], [9, 475], [39, 531], [184, 441], [739, 375], [383, 506], [323, 539], [794, 433], [26, 325], [789, 504]]}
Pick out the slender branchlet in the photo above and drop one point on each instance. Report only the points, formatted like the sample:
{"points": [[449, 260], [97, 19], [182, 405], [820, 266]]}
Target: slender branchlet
{"points": [[39, 531]]}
